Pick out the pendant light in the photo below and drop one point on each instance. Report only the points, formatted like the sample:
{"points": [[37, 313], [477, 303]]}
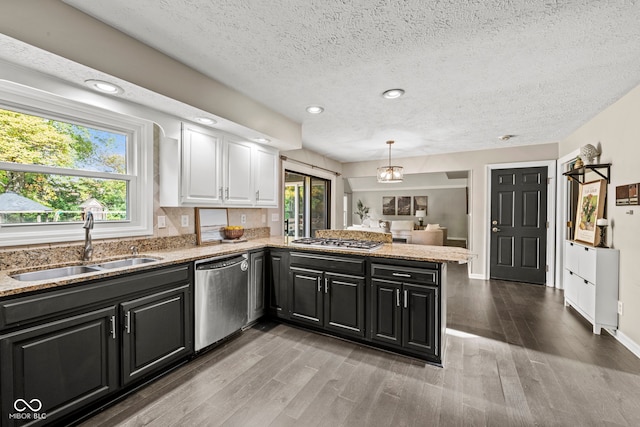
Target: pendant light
{"points": [[389, 174]]}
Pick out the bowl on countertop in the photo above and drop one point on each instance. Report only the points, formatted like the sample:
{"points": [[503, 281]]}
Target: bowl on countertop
{"points": [[233, 232]]}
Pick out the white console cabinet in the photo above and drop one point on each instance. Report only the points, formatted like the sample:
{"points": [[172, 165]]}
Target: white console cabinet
{"points": [[591, 283]]}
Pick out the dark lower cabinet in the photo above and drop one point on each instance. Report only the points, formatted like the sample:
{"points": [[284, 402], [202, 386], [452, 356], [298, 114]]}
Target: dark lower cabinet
{"points": [[155, 332], [406, 315], [257, 270], [66, 349], [278, 269], [58, 366], [329, 300]]}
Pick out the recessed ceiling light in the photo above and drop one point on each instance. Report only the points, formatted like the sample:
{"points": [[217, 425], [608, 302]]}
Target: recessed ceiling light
{"points": [[205, 120], [393, 93], [262, 140], [505, 137], [105, 87], [314, 109]]}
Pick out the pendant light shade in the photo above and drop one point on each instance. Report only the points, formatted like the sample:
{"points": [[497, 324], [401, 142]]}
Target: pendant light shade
{"points": [[390, 174]]}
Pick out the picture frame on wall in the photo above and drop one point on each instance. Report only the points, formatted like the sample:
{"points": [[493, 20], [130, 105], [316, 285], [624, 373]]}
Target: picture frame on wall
{"points": [[633, 194], [419, 204], [404, 205], [388, 205], [591, 199]]}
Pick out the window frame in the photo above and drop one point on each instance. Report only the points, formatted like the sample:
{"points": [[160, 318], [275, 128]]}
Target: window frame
{"points": [[139, 176]]}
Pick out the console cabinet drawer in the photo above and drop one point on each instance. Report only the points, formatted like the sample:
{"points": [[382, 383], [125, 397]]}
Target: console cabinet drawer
{"points": [[405, 274]]}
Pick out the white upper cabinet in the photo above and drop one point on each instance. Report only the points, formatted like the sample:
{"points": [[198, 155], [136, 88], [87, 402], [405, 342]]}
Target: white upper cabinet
{"points": [[201, 161], [266, 177], [238, 174], [210, 168]]}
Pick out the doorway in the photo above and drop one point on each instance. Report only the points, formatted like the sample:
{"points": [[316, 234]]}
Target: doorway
{"points": [[306, 204], [518, 224]]}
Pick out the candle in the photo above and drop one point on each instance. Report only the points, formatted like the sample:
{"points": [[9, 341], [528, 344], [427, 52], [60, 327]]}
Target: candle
{"points": [[602, 222]]}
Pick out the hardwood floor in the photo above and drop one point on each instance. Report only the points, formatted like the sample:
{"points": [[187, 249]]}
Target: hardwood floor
{"points": [[515, 356]]}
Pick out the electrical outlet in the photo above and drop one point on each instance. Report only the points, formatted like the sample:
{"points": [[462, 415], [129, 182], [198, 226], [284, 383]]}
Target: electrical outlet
{"points": [[243, 219], [162, 221], [274, 217], [184, 220], [620, 306]]}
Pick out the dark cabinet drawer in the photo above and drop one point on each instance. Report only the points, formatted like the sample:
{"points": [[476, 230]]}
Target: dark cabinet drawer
{"points": [[405, 274], [338, 264]]}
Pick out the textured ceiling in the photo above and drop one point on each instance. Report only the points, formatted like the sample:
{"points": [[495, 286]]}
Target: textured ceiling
{"points": [[472, 70]]}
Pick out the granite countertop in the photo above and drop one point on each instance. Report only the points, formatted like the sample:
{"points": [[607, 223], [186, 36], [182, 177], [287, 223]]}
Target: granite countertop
{"points": [[10, 286]]}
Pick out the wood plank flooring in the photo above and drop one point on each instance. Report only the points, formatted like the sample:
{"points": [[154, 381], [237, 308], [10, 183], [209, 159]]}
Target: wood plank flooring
{"points": [[515, 356]]}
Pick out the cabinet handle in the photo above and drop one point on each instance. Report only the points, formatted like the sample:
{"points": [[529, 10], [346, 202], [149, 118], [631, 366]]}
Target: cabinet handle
{"points": [[586, 283], [257, 195], [113, 327], [401, 274], [128, 325], [398, 297], [319, 285], [226, 193], [326, 285], [405, 298], [586, 249], [220, 192], [571, 272]]}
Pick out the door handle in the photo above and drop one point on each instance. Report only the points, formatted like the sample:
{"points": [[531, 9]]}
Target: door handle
{"points": [[494, 222], [397, 297], [113, 327], [326, 285], [319, 285], [128, 323], [405, 298], [495, 229]]}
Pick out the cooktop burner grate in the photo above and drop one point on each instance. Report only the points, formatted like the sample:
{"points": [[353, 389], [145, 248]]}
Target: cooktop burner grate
{"points": [[367, 245]]}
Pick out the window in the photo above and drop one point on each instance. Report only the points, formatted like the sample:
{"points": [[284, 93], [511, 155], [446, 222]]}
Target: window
{"points": [[60, 159], [306, 204]]}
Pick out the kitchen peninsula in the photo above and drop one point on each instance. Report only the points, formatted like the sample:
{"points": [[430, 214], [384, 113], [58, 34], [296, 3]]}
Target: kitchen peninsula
{"points": [[135, 323]]}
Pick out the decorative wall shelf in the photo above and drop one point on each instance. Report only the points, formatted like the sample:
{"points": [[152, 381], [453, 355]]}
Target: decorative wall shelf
{"points": [[603, 169]]}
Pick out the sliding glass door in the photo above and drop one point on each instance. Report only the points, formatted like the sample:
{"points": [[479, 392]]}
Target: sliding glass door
{"points": [[306, 204]]}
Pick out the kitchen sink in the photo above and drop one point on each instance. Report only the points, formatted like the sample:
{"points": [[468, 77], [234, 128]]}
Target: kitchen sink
{"points": [[127, 262], [55, 273]]}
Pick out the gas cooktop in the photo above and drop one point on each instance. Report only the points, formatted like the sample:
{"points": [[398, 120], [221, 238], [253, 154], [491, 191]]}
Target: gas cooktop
{"points": [[350, 244]]}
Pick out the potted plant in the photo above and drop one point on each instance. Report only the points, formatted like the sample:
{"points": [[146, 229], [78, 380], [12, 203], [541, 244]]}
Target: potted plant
{"points": [[362, 211]]}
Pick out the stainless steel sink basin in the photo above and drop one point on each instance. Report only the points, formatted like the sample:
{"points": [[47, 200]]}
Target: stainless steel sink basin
{"points": [[128, 262], [55, 273]]}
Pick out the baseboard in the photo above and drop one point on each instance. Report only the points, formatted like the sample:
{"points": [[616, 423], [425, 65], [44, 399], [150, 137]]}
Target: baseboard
{"points": [[628, 342], [477, 276]]}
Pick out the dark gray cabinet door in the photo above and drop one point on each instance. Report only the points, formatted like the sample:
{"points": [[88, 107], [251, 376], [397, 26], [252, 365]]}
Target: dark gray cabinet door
{"points": [[386, 311], [344, 304], [256, 286], [307, 296], [64, 364], [279, 283], [420, 318], [157, 330]]}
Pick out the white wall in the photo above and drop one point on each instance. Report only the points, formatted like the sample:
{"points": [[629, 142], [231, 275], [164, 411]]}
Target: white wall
{"points": [[446, 207], [617, 131], [475, 162]]}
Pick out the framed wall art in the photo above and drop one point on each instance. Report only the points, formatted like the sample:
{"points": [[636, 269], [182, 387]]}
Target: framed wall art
{"points": [[590, 207], [419, 204], [388, 205], [404, 205]]}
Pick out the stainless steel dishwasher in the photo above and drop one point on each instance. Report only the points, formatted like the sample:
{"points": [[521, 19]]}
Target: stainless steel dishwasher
{"points": [[220, 298]]}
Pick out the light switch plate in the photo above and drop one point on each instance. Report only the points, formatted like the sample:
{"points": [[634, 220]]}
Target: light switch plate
{"points": [[620, 307], [162, 221], [243, 219], [184, 220]]}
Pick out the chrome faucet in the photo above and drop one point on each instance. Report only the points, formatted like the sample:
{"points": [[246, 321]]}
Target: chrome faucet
{"points": [[88, 247]]}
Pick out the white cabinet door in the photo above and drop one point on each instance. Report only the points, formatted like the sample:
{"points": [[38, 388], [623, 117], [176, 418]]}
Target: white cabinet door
{"points": [[570, 286], [238, 174], [266, 177], [200, 165], [572, 256]]}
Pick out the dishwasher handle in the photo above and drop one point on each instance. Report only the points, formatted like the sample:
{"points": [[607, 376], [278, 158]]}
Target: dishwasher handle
{"points": [[224, 263]]}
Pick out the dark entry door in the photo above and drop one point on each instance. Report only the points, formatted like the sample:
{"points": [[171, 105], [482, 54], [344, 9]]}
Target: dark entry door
{"points": [[519, 224]]}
